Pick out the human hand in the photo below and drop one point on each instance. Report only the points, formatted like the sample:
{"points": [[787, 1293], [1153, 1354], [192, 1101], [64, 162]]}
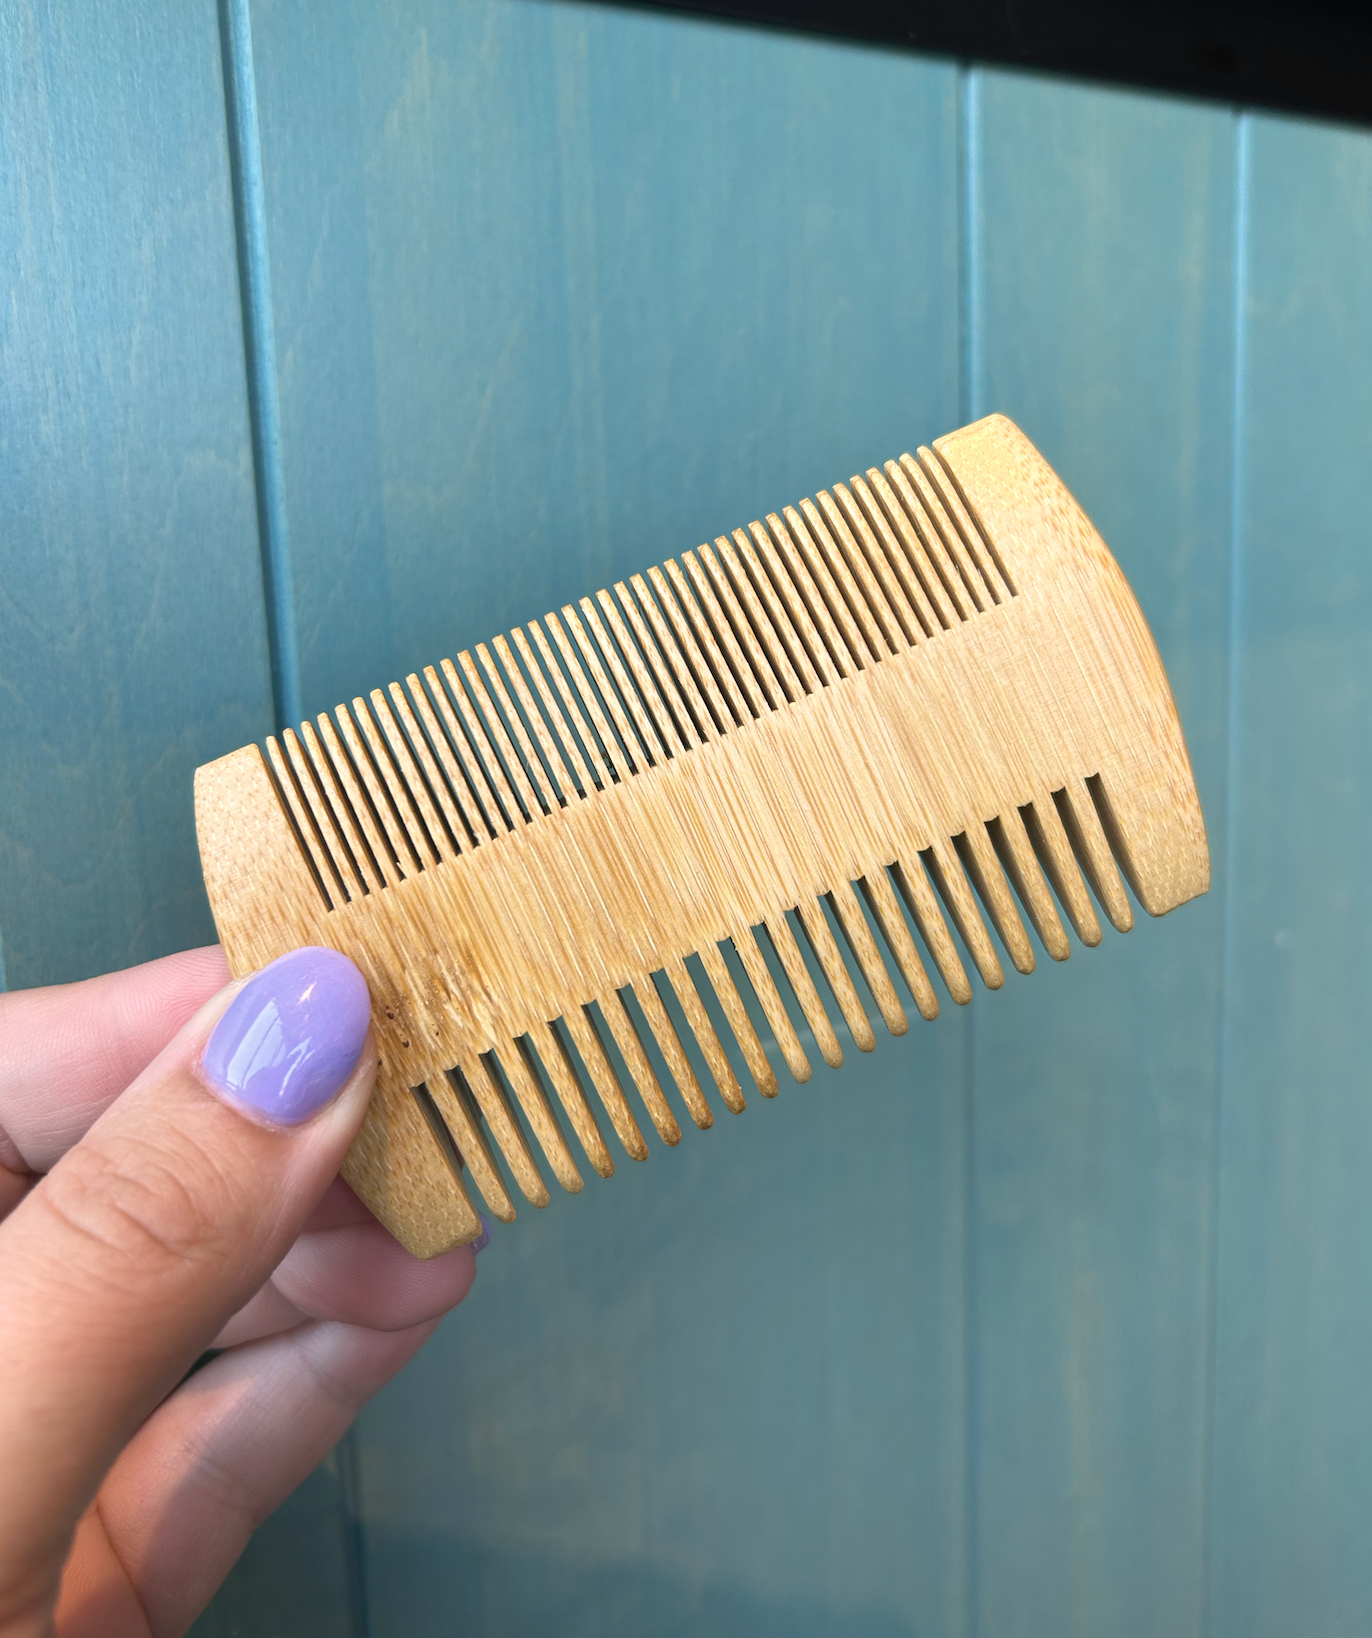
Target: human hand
{"points": [[146, 1219]]}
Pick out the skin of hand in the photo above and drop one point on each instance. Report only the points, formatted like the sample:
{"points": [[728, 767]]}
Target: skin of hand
{"points": [[163, 1193]]}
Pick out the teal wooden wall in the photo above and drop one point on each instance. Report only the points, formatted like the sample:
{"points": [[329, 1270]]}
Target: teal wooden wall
{"points": [[1052, 1318]]}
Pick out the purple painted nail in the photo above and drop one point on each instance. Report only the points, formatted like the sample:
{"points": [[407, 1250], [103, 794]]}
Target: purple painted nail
{"points": [[291, 1037], [484, 1238]]}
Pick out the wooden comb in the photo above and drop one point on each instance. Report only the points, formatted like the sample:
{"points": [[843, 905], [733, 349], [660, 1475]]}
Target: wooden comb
{"points": [[926, 697]]}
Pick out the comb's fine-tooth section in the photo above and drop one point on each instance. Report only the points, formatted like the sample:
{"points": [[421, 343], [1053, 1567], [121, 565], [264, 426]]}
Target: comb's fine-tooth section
{"points": [[915, 710]]}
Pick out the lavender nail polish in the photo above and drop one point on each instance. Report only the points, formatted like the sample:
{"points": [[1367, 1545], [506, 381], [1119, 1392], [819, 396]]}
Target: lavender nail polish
{"points": [[484, 1238], [291, 1037]]}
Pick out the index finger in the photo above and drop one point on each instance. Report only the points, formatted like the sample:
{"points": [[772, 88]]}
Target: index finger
{"points": [[67, 1051]]}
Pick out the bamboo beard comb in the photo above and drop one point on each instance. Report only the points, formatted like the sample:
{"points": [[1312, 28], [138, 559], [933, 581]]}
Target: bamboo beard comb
{"points": [[922, 697]]}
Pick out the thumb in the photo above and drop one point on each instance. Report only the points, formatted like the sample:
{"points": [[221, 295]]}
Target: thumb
{"points": [[119, 1268]]}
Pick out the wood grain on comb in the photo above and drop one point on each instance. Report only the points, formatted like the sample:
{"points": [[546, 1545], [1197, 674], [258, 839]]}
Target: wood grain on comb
{"points": [[853, 741]]}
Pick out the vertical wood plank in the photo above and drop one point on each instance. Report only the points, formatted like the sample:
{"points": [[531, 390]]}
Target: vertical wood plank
{"points": [[131, 633], [557, 288], [1101, 307], [1293, 1445]]}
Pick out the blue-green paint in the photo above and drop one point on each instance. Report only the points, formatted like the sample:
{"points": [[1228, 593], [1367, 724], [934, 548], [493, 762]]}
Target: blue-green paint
{"points": [[1047, 1320]]}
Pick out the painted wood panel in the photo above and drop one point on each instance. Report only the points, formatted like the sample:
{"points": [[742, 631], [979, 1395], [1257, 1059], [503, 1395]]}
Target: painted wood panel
{"points": [[1293, 1423], [131, 636], [557, 289], [1102, 278]]}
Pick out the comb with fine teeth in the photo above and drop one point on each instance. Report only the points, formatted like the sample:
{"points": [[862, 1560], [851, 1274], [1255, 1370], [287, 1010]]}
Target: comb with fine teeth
{"points": [[817, 749]]}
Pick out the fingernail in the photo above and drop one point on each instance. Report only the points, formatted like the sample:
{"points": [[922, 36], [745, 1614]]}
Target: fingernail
{"points": [[484, 1238], [291, 1037]]}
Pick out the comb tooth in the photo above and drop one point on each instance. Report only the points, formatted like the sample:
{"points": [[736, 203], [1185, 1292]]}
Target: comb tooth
{"points": [[565, 787], [306, 827], [946, 870], [759, 632], [503, 809], [888, 607], [679, 680], [769, 999], [363, 863], [717, 971], [471, 1145], [803, 986], [1083, 827], [699, 677], [1011, 842], [800, 598], [528, 1089], [937, 475], [1055, 854], [974, 546], [750, 663], [588, 1043], [669, 1043], [396, 814], [851, 616], [936, 530], [979, 858], [578, 680], [464, 773], [340, 850], [906, 547], [636, 758], [498, 740], [691, 726], [881, 900], [951, 486], [626, 1038], [768, 578], [379, 855], [831, 963], [577, 783], [409, 791], [704, 1032], [453, 819], [661, 732], [918, 615], [490, 1099], [528, 757], [864, 947], [719, 675], [923, 907], [870, 604], [553, 1056]]}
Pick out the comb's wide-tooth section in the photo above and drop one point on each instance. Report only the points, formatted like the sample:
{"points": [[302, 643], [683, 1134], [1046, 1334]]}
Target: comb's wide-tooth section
{"points": [[704, 1032], [490, 1099], [923, 907], [945, 868], [669, 1044], [528, 1089], [826, 952], [864, 947], [983, 867], [803, 726], [1016, 854], [625, 1035], [773, 1010], [726, 992], [586, 1039], [558, 1068], [471, 1145], [1060, 866], [881, 900], [1083, 827]]}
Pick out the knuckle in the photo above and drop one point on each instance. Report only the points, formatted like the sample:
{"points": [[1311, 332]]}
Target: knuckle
{"points": [[140, 1204]]}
